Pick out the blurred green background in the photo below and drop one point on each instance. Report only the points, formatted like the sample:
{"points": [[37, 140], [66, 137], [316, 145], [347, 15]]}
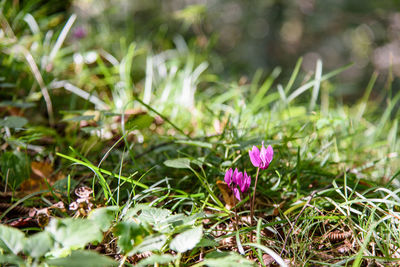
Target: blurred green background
{"points": [[243, 36], [235, 38]]}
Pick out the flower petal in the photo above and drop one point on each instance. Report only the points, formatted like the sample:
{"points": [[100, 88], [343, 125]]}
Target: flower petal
{"points": [[263, 155], [246, 183], [239, 179], [234, 176], [228, 176], [269, 154], [236, 193], [255, 156]]}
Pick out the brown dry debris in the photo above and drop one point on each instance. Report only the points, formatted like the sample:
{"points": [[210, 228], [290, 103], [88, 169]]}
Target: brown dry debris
{"points": [[83, 204], [42, 176]]}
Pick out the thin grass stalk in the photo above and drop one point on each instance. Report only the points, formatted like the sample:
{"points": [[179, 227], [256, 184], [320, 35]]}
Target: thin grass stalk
{"points": [[254, 198]]}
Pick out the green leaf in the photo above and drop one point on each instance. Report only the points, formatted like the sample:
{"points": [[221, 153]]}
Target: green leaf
{"points": [[74, 233], [139, 122], [16, 167], [129, 235], [205, 242], [16, 104], [181, 163], [153, 259], [38, 244], [103, 217], [13, 122], [83, 258], [176, 220], [133, 212], [151, 243], [11, 239], [226, 259], [80, 118], [11, 259], [154, 215], [187, 240], [226, 163]]}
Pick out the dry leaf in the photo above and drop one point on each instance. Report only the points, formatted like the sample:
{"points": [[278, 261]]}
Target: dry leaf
{"points": [[227, 194], [268, 260], [41, 175]]}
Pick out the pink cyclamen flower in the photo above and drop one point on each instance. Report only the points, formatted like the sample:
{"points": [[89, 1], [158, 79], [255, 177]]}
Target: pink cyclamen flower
{"points": [[235, 179], [261, 159], [245, 184], [228, 176]]}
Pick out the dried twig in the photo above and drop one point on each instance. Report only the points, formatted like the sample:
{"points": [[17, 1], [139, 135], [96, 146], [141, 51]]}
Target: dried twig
{"points": [[17, 209]]}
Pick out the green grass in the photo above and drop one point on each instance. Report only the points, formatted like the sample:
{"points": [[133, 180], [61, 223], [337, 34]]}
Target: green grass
{"points": [[153, 148]]}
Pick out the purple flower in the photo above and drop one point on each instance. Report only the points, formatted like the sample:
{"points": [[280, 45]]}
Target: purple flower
{"points": [[228, 176], [235, 179], [236, 193], [79, 32], [261, 159], [245, 183]]}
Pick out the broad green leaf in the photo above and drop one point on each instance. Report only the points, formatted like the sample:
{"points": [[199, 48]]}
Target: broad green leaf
{"points": [[74, 233], [38, 244], [176, 220], [154, 215], [153, 259], [191, 220], [181, 163], [103, 217], [133, 212], [13, 122], [151, 243], [85, 258], [139, 122], [11, 239], [226, 259], [187, 240], [129, 235], [11, 259], [179, 222]]}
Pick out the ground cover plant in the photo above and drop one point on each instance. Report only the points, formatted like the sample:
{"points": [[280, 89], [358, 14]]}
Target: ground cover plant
{"points": [[115, 153]]}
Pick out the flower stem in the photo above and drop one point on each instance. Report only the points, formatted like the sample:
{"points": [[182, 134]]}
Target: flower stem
{"points": [[236, 216], [254, 197]]}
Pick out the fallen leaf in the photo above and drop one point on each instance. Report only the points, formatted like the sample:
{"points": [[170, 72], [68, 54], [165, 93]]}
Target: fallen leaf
{"points": [[24, 222], [268, 260], [42, 175], [227, 194]]}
